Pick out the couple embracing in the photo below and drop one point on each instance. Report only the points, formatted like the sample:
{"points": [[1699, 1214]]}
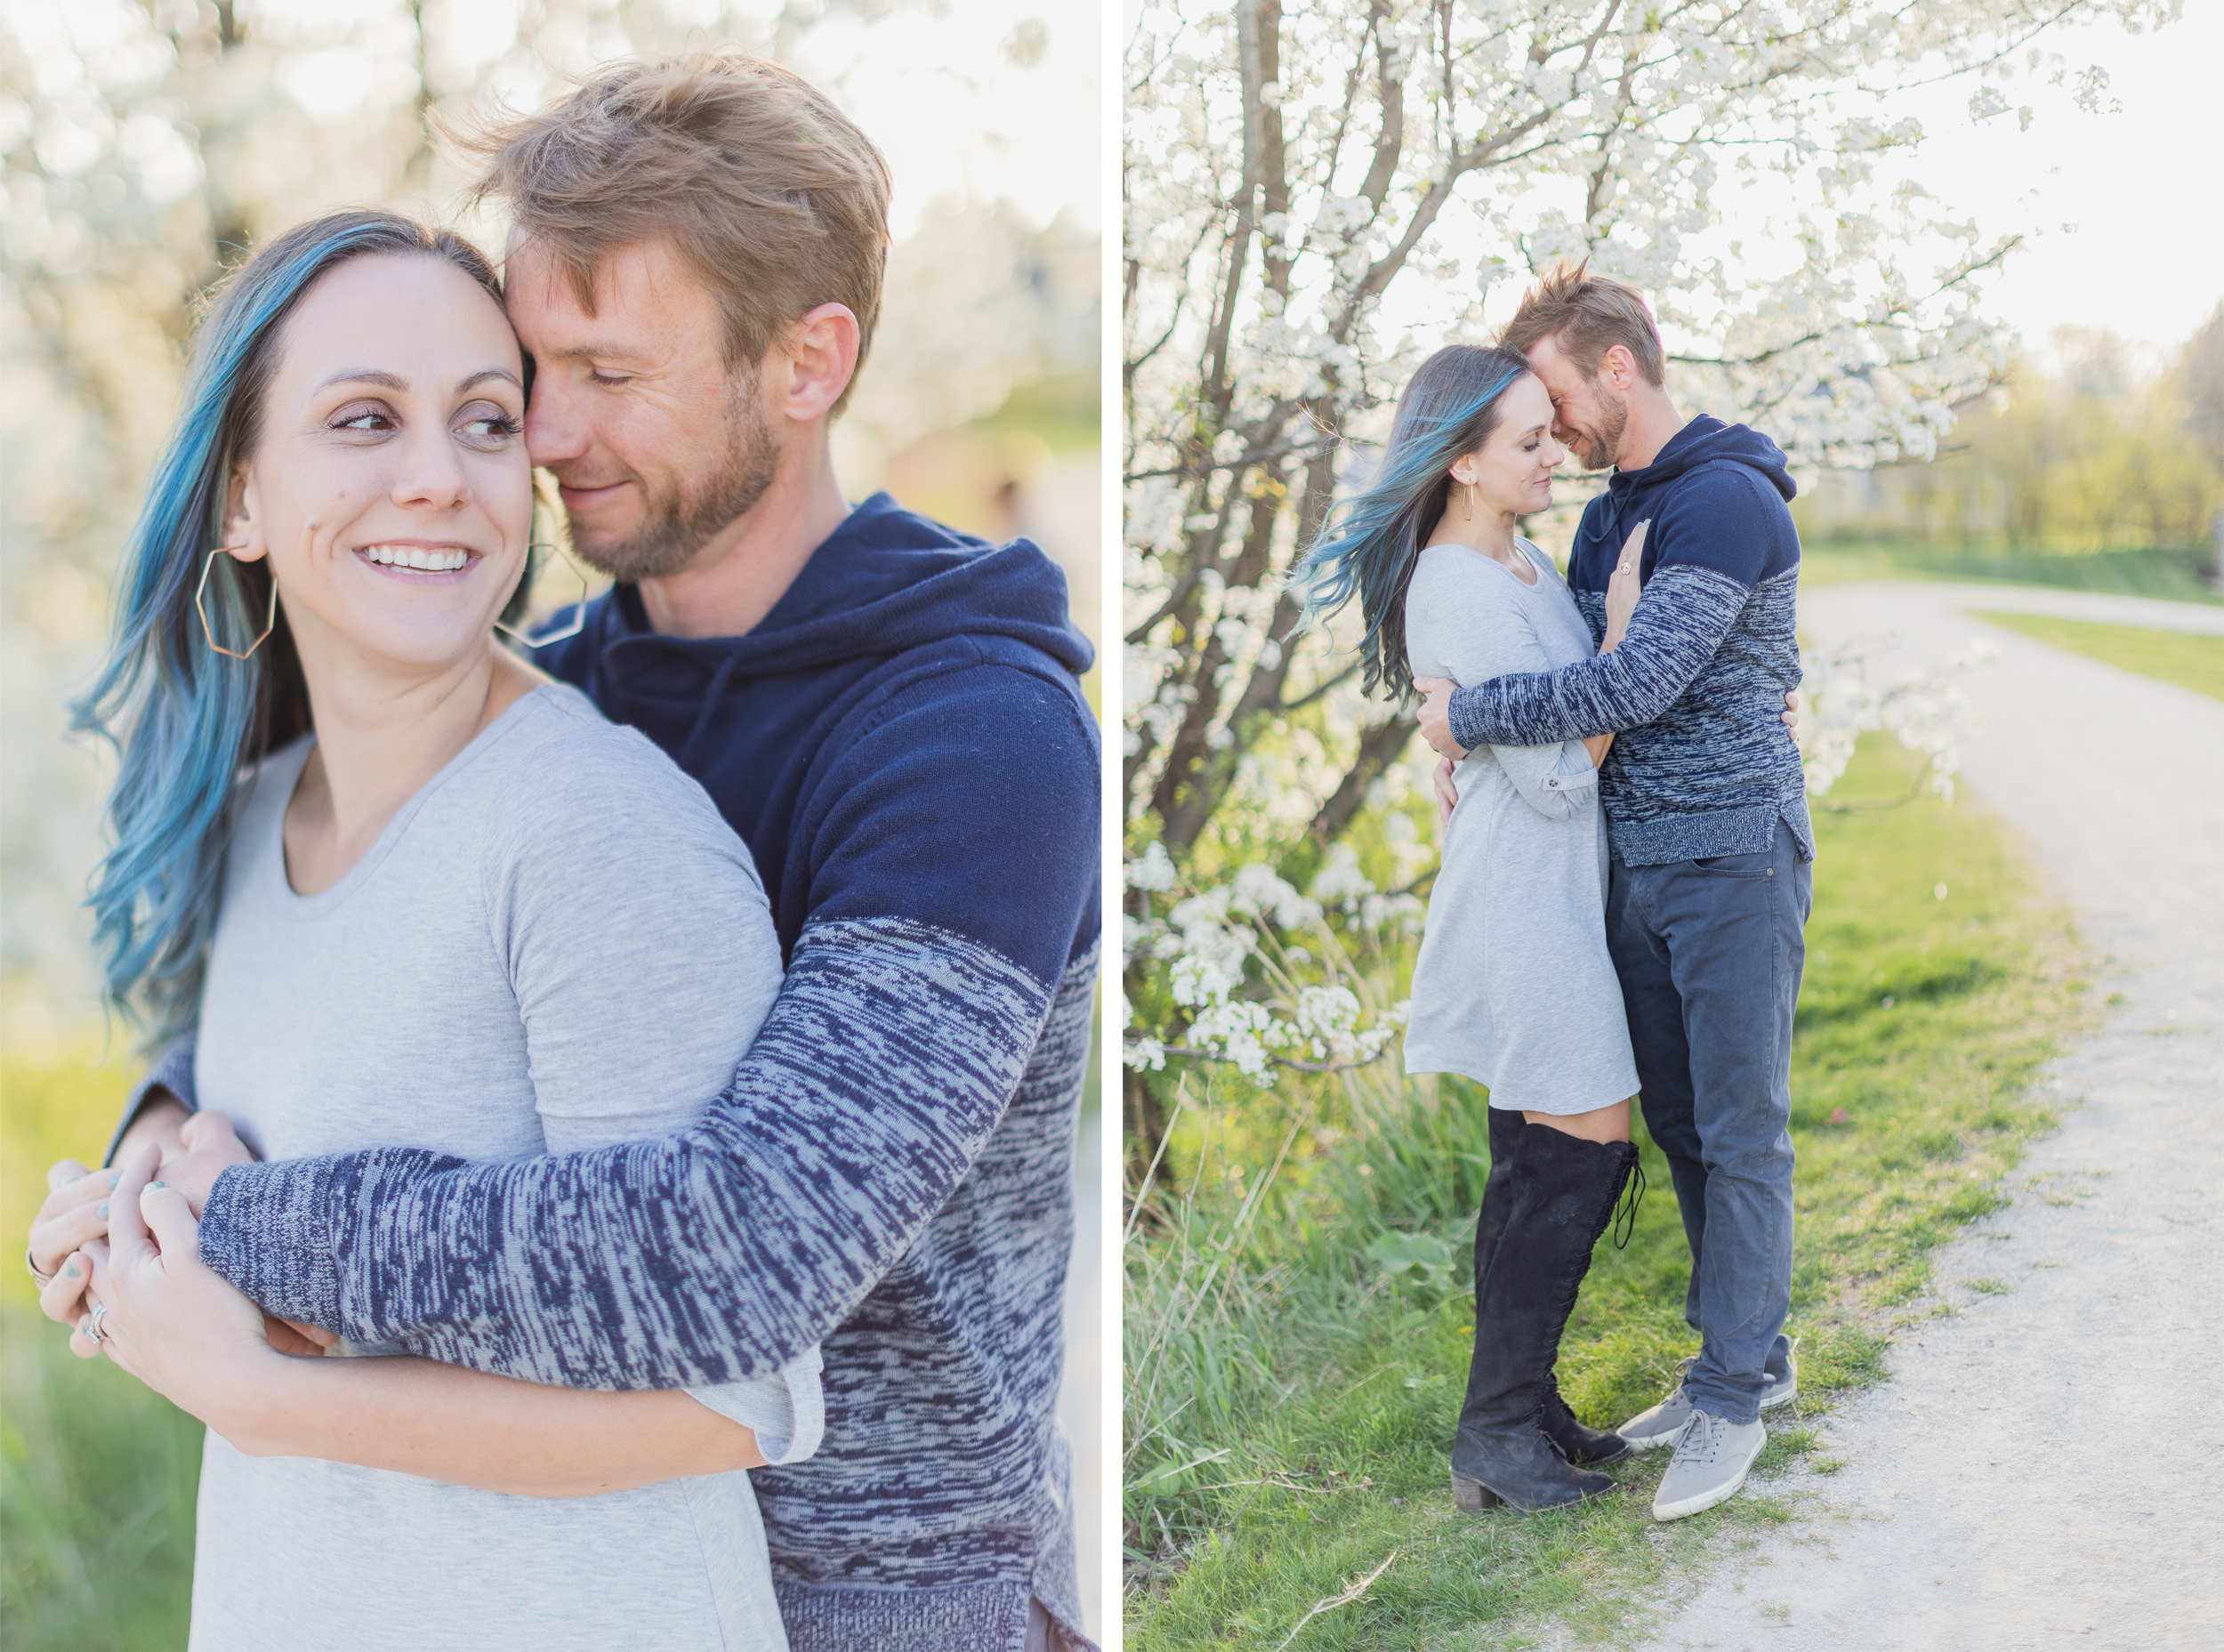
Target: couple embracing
{"points": [[1625, 874], [607, 1180]]}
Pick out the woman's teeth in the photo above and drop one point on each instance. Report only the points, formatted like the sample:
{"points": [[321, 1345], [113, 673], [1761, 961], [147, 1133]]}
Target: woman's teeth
{"points": [[418, 557]]}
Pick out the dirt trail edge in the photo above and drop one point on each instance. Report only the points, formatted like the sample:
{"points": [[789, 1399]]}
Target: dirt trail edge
{"points": [[2035, 1472]]}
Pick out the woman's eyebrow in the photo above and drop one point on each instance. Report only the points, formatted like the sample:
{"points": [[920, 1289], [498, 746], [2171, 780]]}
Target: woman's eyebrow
{"points": [[366, 375], [484, 374]]}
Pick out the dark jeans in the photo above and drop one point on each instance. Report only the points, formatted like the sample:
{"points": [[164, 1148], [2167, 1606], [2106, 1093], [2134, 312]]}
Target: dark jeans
{"points": [[1710, 954]]}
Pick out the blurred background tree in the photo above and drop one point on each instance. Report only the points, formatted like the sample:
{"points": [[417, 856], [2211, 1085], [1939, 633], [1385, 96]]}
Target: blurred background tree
{"points": [[2089, 448]]}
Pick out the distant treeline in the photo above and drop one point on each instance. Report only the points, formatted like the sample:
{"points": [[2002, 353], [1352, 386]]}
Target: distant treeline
{"points": [[2104, 453]]}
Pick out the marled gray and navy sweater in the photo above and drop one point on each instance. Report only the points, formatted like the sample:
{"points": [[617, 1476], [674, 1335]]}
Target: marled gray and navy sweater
{"points": [[904, 746], [1703, 765]]}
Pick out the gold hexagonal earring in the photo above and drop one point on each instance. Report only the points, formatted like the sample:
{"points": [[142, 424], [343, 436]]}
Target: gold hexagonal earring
{"points": [[578, 613], [269, 624]]}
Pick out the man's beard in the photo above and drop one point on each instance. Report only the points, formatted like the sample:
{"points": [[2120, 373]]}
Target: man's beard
{"points": [[1603, 446], [680, 520]]}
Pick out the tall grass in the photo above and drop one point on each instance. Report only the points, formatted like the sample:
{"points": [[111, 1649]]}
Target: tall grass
{"points": [[1297, 1308], [97, 1474]]}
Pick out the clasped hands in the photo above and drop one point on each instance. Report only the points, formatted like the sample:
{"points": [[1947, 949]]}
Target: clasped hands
{"points": [[123, 1240]]}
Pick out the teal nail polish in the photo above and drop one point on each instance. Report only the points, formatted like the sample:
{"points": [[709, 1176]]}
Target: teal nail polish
{"points": [[101, 1210], [153, 1185], [70, 1268], [115, 1176]]}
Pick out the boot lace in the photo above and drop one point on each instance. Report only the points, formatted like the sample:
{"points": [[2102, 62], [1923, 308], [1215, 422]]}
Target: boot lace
{"points": [[1625, 1217]]}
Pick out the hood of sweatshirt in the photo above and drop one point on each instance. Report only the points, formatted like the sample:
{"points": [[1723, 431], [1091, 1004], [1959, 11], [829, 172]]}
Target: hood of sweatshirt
{"points": [[885, 582], [1632, 495]]}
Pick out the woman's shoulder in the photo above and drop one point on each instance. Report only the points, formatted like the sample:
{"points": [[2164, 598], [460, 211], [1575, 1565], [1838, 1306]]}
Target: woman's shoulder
{"points": [[566, 772]]}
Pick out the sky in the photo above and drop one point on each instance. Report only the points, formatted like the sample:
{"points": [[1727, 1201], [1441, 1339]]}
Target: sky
{"points": [[2141, 185], [987, 98]]}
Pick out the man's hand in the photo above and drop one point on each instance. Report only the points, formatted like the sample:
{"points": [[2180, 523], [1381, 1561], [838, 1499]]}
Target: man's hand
{"points": [[1447, 795], [1624, 585], [1436, 716], [207, 1147]]}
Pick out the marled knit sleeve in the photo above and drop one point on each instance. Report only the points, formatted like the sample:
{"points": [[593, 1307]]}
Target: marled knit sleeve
{"points": [[946, 890]]}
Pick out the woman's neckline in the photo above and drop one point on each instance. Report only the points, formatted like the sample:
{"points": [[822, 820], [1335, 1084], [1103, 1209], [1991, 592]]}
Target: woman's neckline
{"points": [[368, 862], [1521, 549]]}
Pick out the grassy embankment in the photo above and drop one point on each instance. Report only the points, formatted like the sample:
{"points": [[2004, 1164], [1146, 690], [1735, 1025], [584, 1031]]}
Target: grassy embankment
{"points": [[1291, 1395], [2186, 658], [2178, 576]]}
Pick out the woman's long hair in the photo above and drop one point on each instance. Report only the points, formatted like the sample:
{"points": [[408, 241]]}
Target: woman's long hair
{"points": [[184, 720], [1368, 544]]}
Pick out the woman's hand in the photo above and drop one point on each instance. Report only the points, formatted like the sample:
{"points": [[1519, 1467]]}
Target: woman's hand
{"points": [[171, 1322], [75, 1212], [1625, 585], [1435, 715], [1447, 790]]}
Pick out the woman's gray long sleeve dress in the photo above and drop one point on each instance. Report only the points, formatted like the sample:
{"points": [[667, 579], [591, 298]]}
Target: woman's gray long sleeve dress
{"points": [[1513, 988]]}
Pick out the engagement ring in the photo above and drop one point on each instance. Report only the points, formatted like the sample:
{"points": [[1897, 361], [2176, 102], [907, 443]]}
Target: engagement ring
{"points": [[93, 1331], [43, 1279]]}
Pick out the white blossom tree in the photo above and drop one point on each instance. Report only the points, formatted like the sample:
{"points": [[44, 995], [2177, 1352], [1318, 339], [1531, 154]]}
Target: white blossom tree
{"points": [[1319, 192]]}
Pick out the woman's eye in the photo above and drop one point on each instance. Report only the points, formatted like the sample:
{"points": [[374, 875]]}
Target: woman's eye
{"points": [[364, 419]]}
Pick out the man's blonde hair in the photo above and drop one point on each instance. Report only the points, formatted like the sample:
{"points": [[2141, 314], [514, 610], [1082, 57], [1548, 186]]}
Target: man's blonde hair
{"points": [[1589, 315], [768, 191]]}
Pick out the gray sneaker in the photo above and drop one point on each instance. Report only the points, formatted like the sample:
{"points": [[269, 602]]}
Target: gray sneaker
{"points": [[1664, 1423], [1709, 1466]]}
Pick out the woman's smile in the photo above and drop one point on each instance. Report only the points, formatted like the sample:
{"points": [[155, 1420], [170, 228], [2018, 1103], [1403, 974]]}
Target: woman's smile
{"points": [[419, 562]]}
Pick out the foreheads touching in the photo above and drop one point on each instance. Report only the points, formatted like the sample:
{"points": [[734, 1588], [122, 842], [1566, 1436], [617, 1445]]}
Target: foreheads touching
{"points": [[1592, 340], [695, 268]]}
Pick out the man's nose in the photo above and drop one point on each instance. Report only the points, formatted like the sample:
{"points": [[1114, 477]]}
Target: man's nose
{"points": [[554, 431]]}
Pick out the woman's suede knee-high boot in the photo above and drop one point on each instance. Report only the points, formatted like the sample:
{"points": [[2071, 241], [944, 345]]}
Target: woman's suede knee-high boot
{"points": [[1582, 1445], [1561, 1194]]}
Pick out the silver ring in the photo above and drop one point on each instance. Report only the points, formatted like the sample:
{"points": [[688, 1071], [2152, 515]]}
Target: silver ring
{"points": [[43, 1279], [93, 1331]]}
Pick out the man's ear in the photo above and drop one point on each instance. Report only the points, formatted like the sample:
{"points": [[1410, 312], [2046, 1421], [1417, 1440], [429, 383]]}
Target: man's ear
{"points": [[242, 519], [818, 355], [1619, 365]]}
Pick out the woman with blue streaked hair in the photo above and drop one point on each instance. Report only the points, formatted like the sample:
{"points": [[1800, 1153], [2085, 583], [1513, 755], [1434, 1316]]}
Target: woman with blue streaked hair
{"points": [[379, 863], [1514, 987]]}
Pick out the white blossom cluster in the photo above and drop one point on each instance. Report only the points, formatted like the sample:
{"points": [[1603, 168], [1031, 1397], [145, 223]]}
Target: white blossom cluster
{"points": [[1921, 707], [1312, 1004]]}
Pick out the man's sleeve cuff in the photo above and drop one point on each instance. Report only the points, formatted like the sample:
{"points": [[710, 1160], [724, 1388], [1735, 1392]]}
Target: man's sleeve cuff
{"points": [[265, 1230]]}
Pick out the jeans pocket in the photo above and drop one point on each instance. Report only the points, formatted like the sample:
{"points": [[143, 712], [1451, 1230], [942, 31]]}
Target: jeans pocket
{"points": [[1754, 865]]}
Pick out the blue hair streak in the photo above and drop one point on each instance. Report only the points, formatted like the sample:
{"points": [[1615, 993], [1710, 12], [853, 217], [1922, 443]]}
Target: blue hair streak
{"points": [[184, 720], [1367, 546]]}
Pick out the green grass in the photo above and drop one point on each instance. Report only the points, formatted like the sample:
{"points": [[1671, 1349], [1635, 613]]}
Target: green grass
{"points": [[2189, 660], [2185, 574], [97, 1474], [1291, 1396]]}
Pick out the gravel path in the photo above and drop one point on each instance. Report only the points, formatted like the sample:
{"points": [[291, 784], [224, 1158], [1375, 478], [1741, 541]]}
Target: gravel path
{"points": [[2036, 1471]]}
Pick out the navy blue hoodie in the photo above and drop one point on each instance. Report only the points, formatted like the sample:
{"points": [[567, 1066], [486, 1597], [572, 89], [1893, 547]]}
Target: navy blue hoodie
{"points": [[1703, 765], [904, 745], [888, 739]]}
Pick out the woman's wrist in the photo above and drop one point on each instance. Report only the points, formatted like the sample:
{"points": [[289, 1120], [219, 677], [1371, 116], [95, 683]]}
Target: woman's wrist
{"points": [[250, 1395]]}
